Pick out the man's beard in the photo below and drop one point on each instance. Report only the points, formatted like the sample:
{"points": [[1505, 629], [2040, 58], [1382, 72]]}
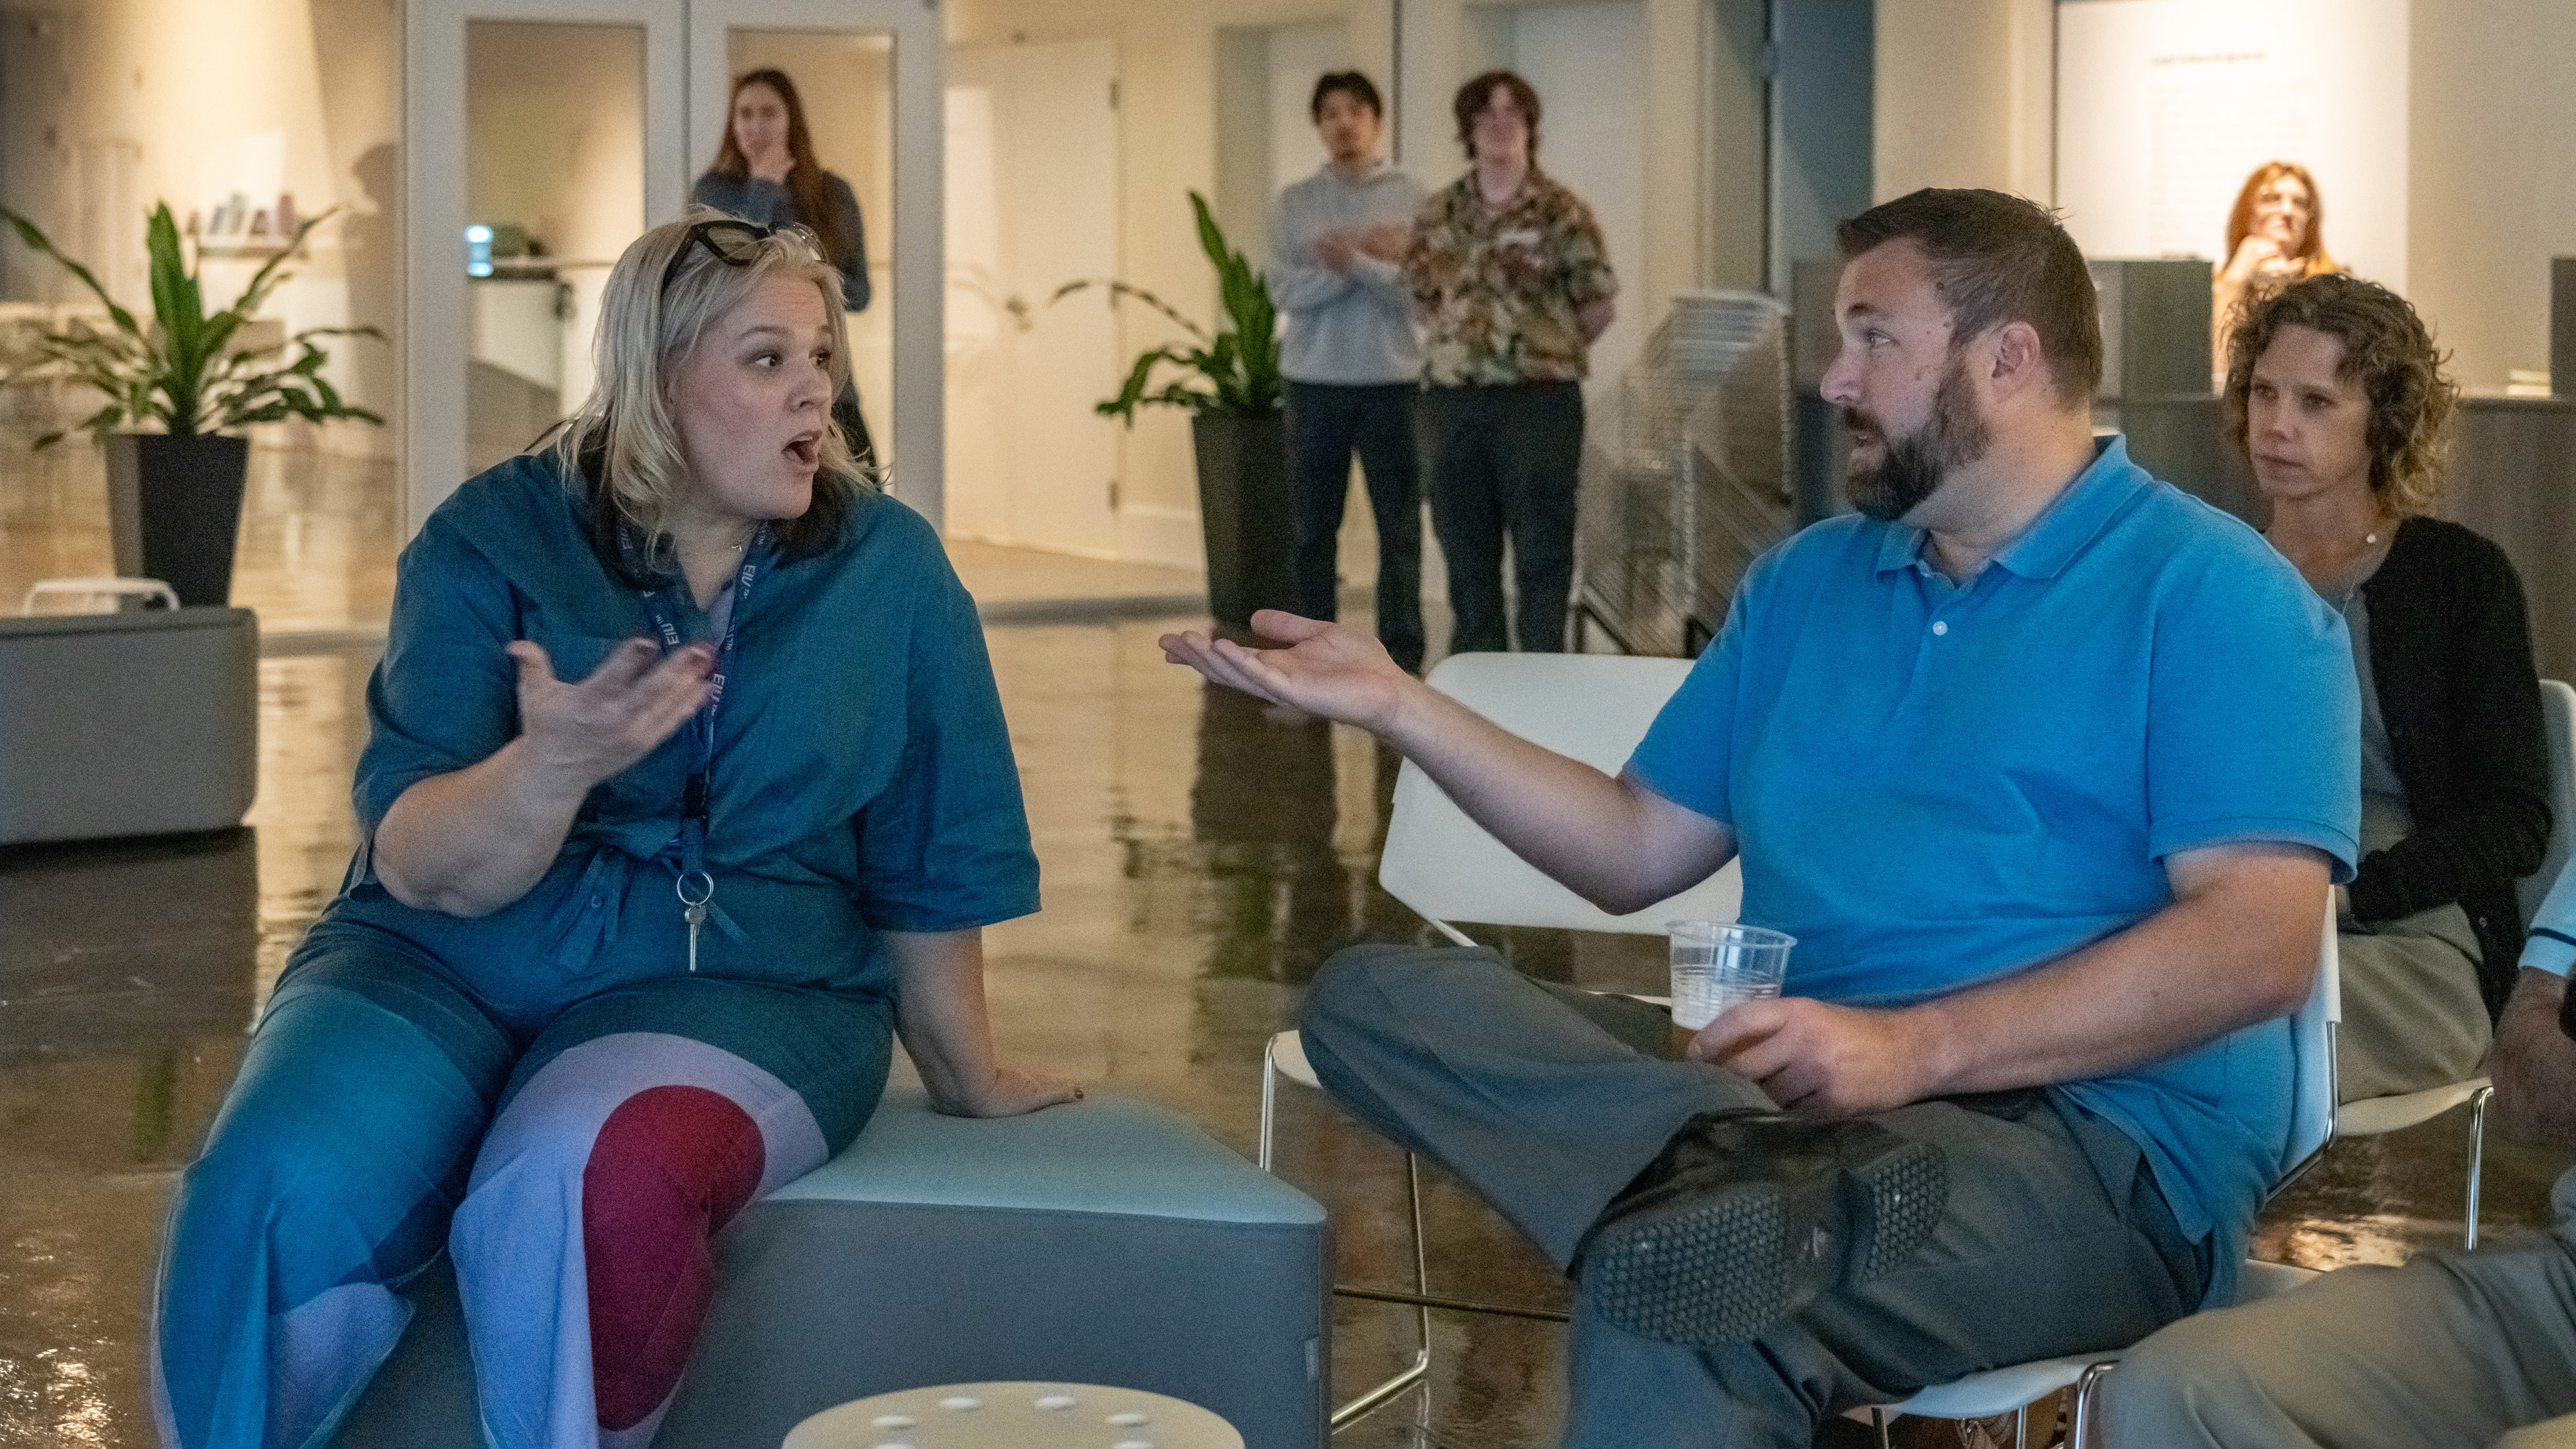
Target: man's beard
{"points": [[1911, 468]]}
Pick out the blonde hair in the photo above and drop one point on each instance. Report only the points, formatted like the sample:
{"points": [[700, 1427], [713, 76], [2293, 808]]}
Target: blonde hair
{"points": [[624, 445]]}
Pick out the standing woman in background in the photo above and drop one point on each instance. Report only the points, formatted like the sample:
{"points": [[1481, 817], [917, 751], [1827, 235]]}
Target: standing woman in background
{"points": [[1512, 285], [2276, 233], [765, 172]]}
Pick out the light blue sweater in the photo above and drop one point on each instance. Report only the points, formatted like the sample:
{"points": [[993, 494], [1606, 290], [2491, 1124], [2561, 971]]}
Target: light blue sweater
{"points": [[1353, 327]]}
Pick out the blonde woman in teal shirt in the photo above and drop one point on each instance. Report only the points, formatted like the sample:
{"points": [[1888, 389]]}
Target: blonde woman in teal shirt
{"points": [[688, 790]]}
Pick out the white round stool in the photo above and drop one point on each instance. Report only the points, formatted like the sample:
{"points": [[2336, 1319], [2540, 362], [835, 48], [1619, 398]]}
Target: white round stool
{"points": [[1015, 1416]]}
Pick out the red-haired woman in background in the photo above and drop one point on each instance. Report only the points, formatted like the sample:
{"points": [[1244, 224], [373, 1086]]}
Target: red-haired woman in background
{"points": [[2275, 235]]}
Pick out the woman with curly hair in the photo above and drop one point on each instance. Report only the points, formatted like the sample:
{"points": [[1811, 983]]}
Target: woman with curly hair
{"points": [[2339, 399]]}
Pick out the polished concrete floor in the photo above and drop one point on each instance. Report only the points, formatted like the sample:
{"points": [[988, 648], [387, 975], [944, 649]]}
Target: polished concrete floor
{"points": [[1202, 856]]}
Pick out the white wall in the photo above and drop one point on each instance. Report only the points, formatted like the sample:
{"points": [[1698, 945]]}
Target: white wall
{"points": [[2181, 100], [1963, 95], [554, 142], [2491, 177], [2489, 122], [554, 133], [1587, 62], [1168, 76], [179, 86]]}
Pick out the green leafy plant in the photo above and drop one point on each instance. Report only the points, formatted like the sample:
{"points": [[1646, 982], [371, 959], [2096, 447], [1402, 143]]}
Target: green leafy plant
{"points": [[1236, 371], [182, 371]]}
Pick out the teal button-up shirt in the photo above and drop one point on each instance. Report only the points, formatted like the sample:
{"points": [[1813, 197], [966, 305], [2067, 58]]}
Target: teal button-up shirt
{"points": [[862, 782]]}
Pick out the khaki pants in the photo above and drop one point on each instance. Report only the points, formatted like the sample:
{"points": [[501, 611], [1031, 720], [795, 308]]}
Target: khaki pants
{"points": [[2412, 1015], [2454, 1349]]}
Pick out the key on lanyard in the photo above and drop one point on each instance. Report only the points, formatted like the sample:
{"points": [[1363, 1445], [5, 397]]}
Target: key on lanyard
{"points": [[693, 909], [696, 886]]}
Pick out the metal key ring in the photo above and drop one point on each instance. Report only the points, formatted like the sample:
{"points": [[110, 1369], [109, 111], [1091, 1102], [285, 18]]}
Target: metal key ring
{"points": [[680, 887]]}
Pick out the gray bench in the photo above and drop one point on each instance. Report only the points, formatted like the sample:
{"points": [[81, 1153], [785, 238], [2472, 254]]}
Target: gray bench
{"points": [[1106, 1242], [127, 724]]}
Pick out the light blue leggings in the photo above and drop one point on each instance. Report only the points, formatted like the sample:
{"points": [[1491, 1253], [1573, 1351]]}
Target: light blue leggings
{"points": [[576, 1168]]}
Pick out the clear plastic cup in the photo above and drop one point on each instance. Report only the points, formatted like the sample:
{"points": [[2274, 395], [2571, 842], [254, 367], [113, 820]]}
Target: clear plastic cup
{"points": [[1719, 963]]}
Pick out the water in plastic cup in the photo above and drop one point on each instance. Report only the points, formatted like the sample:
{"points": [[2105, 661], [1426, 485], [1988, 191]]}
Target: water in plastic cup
{"points": [[1719, 963]]}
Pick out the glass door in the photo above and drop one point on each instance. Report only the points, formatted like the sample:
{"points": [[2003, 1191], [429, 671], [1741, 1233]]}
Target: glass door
{"points": [[866, 76], [541, 137]]}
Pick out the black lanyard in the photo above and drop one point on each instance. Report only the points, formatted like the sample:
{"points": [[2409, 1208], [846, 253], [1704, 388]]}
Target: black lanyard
{"points": [[695, 885]]}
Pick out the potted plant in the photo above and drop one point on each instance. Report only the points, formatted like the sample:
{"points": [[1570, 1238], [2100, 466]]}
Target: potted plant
{"points": [[1230, 384], [177, 390]]}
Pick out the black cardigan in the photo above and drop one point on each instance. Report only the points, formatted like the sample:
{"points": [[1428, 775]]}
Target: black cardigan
{"points": [[2450, 654]]}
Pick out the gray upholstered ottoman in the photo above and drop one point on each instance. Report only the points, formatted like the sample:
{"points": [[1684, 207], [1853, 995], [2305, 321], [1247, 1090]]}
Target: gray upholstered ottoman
{"points": [[127, 724], [1108, 1242]]}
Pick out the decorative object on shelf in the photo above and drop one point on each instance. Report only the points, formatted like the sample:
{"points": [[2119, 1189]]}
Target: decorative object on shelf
{"points": [[1233, 394], [175, 492]]}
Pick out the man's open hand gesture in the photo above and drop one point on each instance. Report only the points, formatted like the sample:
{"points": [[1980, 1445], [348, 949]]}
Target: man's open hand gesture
{"points": [[1326, 669]]}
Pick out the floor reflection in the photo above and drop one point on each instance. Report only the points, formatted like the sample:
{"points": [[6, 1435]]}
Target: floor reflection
{"points": [[1202, 856], [125, 981], [319, 530]]}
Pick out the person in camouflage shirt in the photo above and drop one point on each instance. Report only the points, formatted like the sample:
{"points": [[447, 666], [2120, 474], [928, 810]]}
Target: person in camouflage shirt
{"points": [[1511, 283]]}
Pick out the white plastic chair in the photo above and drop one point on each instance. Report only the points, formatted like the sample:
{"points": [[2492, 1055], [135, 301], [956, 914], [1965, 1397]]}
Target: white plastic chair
{"points": [[2558, 721], [2370, 1116], [1593, 707], [2012, 1388]]}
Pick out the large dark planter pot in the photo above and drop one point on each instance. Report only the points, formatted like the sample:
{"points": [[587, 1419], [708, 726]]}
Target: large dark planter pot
{"points": [[1245, 515], [174, 510]]}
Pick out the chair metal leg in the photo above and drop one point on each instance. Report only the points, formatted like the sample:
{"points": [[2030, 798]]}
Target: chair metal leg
{"points": [[1351, 1412], [2021, 1427], [1878, 1421], [2477, 1157], [1269, 1097], [2086, 1384], [1421, 1366]]}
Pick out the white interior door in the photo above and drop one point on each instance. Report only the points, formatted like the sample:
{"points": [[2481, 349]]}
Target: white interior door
{"points": [[1588, 62], [1032, 170]]}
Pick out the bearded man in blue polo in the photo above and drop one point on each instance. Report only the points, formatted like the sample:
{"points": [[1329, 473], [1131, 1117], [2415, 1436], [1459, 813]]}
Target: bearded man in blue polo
{"points": [[2048, 767]]}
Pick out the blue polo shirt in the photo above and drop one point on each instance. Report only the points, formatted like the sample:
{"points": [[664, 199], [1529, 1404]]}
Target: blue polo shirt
{"points": [[1935, 785]]}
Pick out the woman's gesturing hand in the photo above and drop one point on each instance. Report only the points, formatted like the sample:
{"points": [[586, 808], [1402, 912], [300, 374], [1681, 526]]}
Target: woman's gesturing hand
{"points": [[1328, 670], [581, 734]]}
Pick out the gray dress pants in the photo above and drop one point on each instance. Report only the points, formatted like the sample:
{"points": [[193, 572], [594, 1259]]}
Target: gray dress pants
{"points": [[2454, 1350], [1547, 1101]]}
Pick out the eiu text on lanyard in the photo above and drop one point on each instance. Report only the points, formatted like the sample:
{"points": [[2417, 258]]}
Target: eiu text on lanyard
{"points": [[695, 886]]}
